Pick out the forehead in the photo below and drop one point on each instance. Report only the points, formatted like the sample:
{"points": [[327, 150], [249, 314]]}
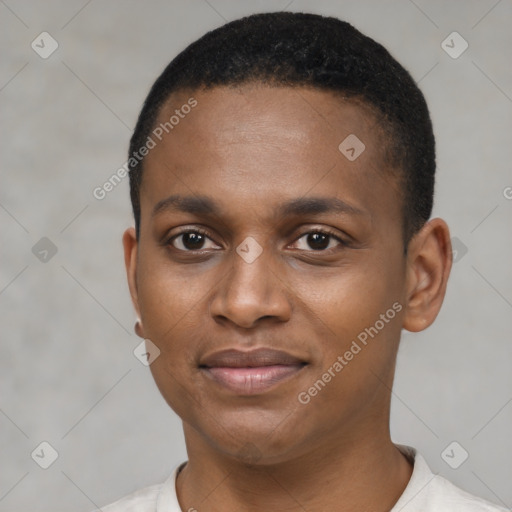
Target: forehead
{"points": [[266, 143], [255, 113]]}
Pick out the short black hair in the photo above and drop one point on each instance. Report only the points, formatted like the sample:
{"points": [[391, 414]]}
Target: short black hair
{"points": [[302, 49]]}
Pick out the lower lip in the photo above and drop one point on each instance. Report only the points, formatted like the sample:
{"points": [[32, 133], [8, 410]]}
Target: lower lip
{"points": [[251, 381]]}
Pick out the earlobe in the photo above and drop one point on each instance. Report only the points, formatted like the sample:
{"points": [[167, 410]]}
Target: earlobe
{"points": [[429, 263], [130, 246]]}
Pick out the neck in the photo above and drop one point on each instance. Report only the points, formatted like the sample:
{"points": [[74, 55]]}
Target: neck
{"points": [[349, 475]]}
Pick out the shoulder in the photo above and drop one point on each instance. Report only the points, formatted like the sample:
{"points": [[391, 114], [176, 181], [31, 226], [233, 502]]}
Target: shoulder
{"points": [[155, 498], [143, 500], [429, 492], [442, 495]]}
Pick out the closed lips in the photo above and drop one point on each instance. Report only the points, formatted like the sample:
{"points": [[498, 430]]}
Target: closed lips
{"points": [[253, 372], [233, 358]]}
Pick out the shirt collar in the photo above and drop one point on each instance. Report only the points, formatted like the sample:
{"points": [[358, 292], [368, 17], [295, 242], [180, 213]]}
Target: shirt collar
{"points": [[167, 498]]}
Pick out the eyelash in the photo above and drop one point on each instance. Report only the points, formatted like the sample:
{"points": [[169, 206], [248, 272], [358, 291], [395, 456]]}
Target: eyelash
{"points": [[200, 231]]}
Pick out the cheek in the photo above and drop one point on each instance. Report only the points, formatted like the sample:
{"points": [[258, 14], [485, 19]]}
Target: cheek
{"points": [[169, 305], [358, 332], [347, 300], [357, 318], [170, 313], [166, 296]]}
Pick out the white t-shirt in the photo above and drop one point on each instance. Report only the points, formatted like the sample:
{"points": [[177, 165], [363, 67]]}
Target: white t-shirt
{"points": [[425, 492]]}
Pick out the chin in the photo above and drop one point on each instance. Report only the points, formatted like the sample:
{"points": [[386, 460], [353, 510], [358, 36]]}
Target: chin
{"points": [[254, 438]]}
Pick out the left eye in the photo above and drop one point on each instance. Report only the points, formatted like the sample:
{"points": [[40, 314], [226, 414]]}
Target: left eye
{"points": [[319, 240]]}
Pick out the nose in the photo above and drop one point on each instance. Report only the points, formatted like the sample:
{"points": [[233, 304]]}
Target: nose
{"points": [[250, 292]]}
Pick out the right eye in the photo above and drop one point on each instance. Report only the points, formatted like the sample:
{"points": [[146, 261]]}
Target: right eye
{"points": [[190, 240]]}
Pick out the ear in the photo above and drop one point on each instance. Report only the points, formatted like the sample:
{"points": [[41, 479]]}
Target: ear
{"points": [[429, 261], [130, 245]]}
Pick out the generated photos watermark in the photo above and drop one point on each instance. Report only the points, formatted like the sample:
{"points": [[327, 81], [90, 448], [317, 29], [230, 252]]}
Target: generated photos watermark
{"points": [[111, 183], [304, 397]]}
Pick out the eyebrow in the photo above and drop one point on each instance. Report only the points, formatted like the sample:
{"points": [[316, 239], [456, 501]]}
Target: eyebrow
{"points": [[206, 206], [199, 205]]}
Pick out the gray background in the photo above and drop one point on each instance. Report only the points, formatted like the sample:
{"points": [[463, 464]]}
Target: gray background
{"points": [[67, 369]]}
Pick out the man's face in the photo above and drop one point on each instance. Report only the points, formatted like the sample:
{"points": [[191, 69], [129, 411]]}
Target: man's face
{"points": [[272, 269]]}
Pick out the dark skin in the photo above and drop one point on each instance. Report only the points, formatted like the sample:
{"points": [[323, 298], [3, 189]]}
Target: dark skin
{"points": [[251, 150]]}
